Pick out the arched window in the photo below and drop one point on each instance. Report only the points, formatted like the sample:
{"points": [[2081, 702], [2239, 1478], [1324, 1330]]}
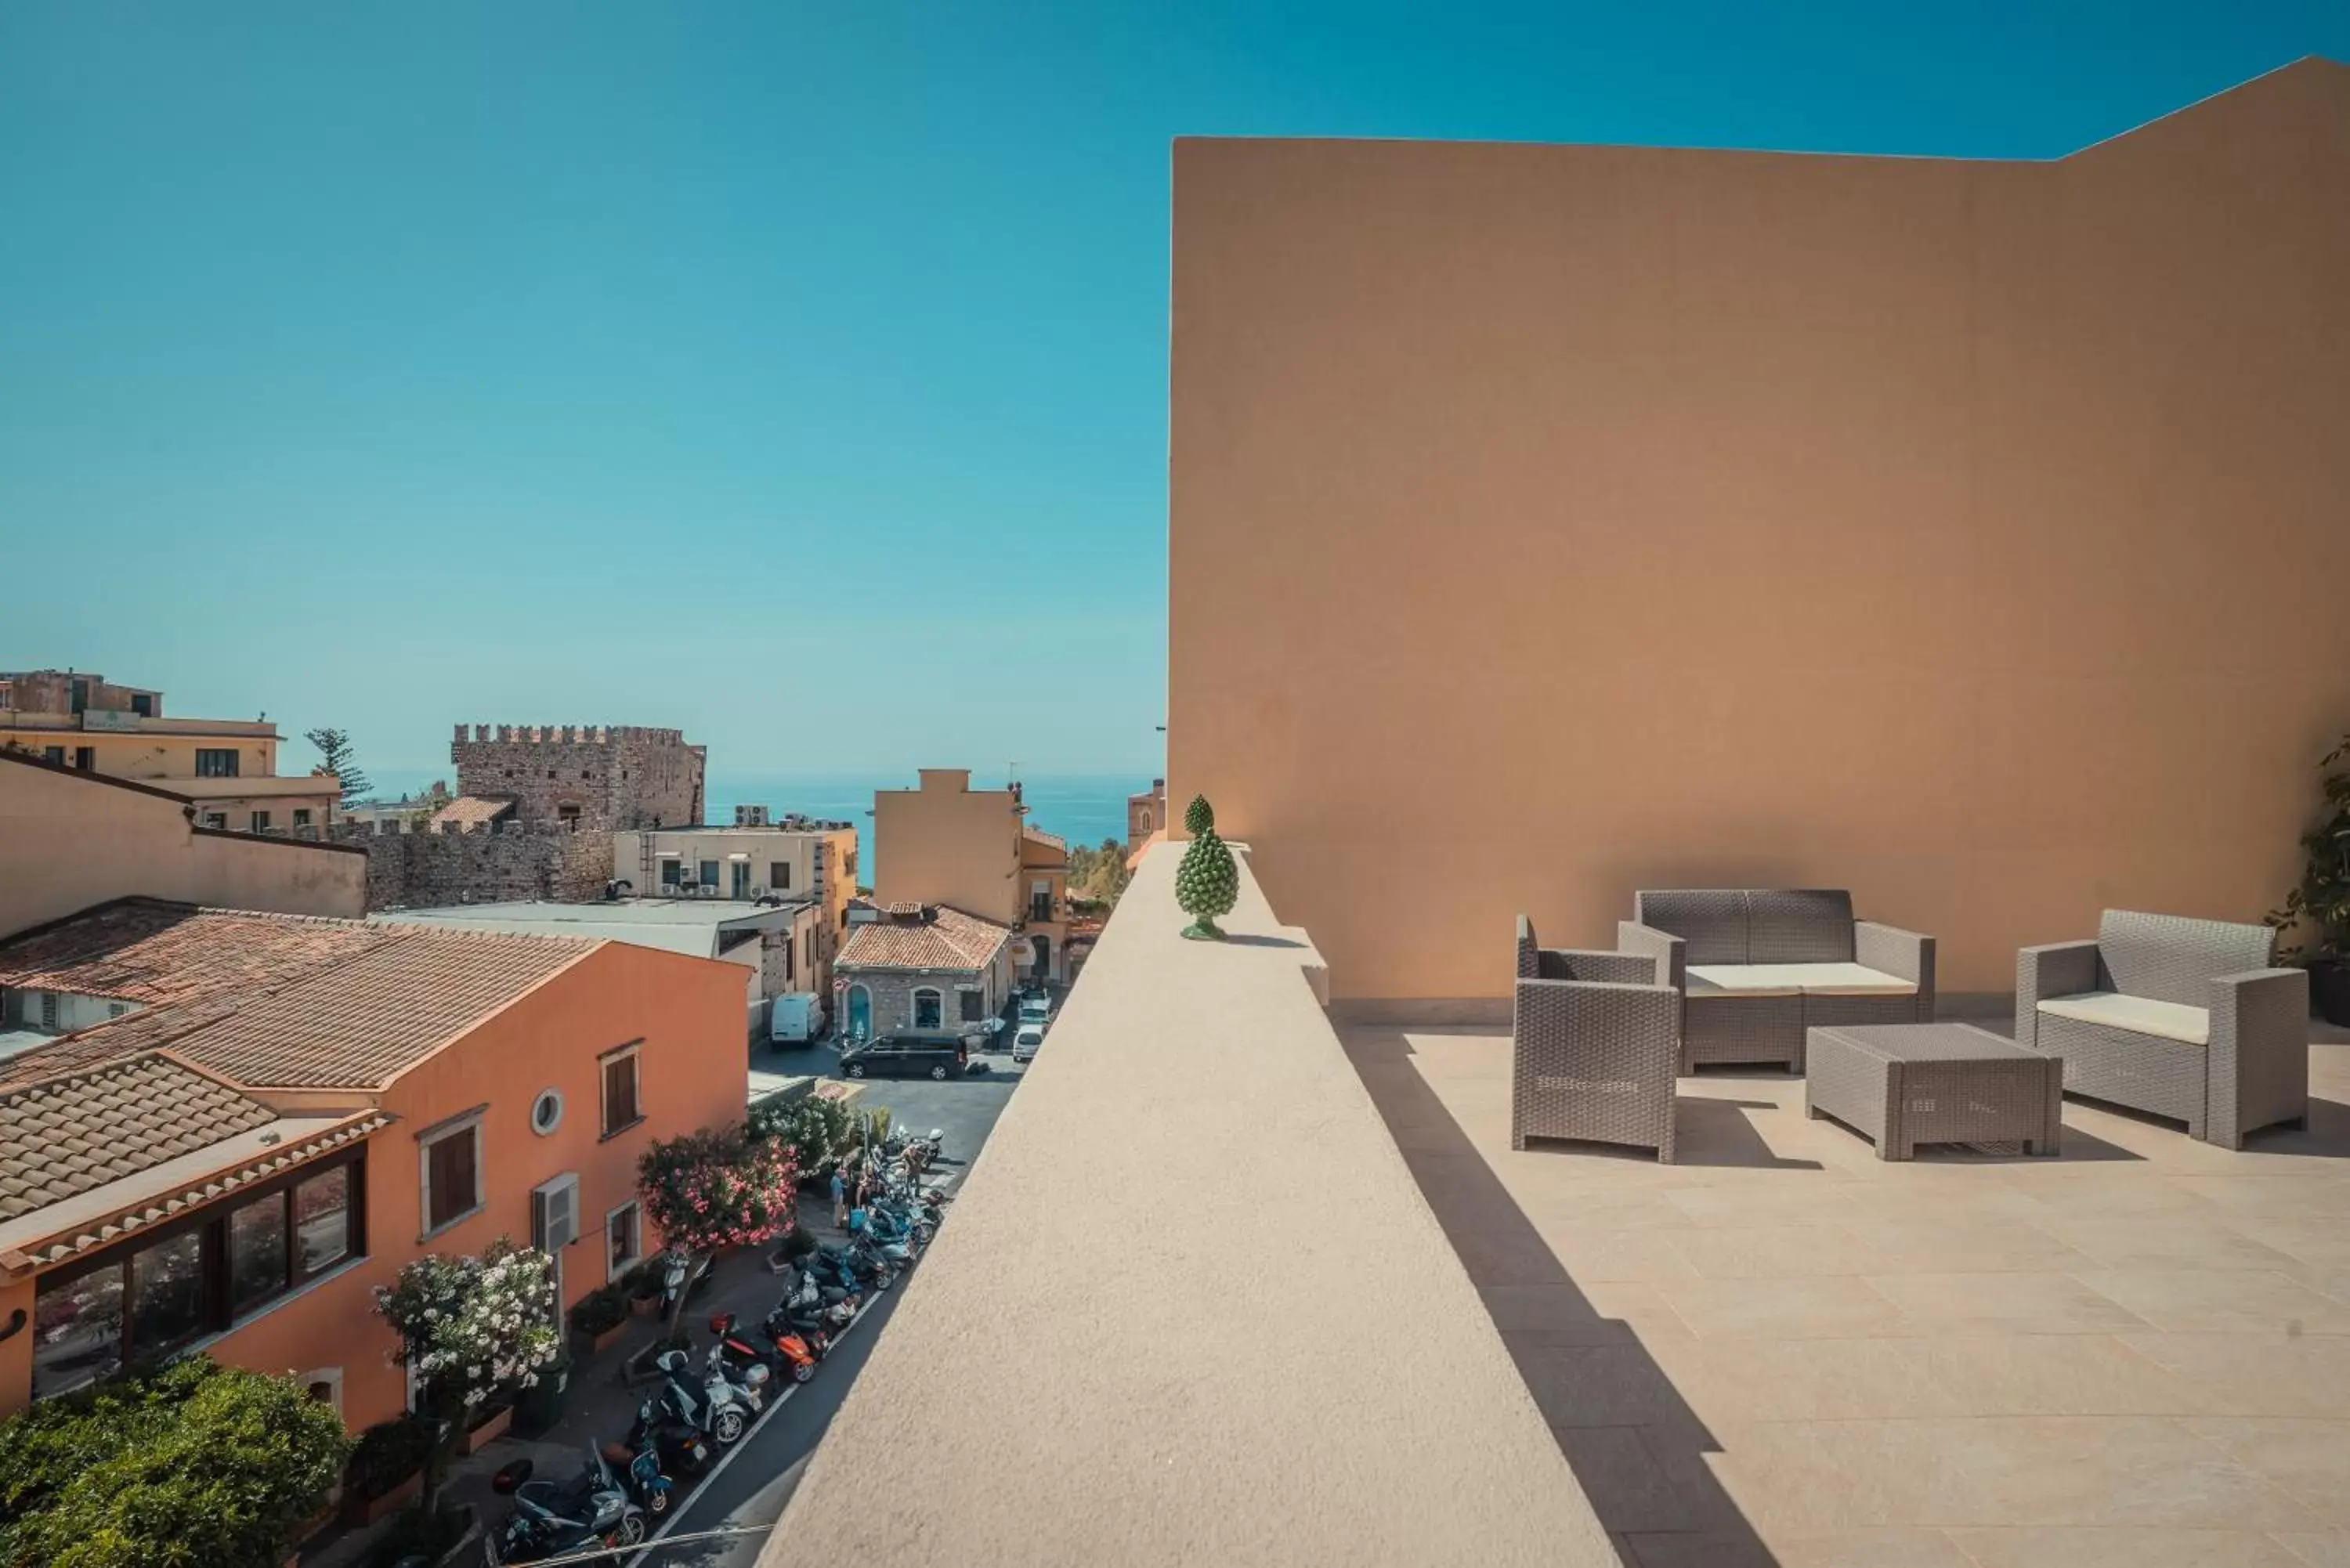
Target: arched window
{"points": [[928, 1008]]}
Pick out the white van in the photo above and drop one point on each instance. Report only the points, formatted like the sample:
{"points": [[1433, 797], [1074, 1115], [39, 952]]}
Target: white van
{"points": [[794, 1018], [1025, 1044]]}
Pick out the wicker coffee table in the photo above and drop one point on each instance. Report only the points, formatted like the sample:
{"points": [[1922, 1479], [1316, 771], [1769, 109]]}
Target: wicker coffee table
{"points": [[1902, 1085]]}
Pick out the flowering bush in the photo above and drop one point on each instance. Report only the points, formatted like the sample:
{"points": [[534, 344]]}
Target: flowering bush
{"points": [[814, 1129], [712, 1189], [471, 1329]]}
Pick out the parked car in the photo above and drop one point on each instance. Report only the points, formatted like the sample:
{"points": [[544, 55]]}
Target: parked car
{"points": [[1037, 1010], [1025, 1044], [905, 1059]]}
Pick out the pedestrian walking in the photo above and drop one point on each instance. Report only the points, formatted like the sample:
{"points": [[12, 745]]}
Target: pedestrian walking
{"points": [[839, 1200]]}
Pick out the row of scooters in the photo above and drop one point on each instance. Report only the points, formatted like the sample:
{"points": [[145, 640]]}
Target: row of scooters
{"points": [[627, 1487]]}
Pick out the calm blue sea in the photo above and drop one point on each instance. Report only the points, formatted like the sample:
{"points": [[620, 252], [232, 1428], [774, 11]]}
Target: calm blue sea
{"points": [[1084, 808]]}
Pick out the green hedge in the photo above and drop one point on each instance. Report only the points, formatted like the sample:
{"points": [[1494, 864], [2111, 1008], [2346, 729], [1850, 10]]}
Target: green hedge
{"points": [[191, 1465]]}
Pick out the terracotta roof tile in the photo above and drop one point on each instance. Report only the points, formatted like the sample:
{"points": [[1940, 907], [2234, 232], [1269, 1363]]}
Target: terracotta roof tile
{"points": [[157, 953], [274, 1001], [65, 1136], [947, 939], [166, 1202]]}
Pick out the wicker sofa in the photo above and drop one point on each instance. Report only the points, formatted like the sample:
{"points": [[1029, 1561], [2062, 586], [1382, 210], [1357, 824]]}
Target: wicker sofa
{"points": [[1756, 967], [1594, 1047], [2182, 1018]]}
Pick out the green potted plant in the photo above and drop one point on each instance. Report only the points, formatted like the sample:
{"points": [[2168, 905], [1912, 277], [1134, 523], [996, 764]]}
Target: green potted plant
{"points": [[642, 1283], [386, 1469], [597, 1319], [1207, 883], [2319, 908]]}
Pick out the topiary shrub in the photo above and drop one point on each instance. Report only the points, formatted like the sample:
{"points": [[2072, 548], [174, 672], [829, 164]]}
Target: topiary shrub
{"points": [[194, 1466], [1207, 883]]}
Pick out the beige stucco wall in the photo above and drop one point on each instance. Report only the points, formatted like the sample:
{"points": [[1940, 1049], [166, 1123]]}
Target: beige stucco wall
{"points": [[946, 843], [1548, 522], [69, 842]]}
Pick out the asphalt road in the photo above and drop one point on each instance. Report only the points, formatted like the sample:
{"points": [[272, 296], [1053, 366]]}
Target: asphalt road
{"points": [[759, 1481]]}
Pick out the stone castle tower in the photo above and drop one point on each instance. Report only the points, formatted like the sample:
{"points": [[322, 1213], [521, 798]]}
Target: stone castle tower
{"points": [[586, 776]]}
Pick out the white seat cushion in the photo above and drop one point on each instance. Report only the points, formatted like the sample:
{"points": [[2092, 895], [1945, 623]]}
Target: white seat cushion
{"points": [[1738, 980], [1794, 979], [2138, 1015]]}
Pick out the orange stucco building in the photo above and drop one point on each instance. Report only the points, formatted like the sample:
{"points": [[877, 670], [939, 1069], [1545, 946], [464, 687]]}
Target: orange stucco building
{"points": [[271, 1114], [1551, 522]]}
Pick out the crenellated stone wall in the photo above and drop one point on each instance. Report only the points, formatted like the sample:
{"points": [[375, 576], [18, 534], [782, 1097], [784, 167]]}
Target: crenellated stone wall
{"points": [[488, 864], [594, 775]]}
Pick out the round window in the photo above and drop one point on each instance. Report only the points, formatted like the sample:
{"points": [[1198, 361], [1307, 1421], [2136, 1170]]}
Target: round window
{"points": [[546, 1112]]}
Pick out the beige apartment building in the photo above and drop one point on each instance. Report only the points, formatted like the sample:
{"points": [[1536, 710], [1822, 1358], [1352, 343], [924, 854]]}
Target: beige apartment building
{"points": [[1556, 521], [793, 861], [227, 766], [943, 842]]}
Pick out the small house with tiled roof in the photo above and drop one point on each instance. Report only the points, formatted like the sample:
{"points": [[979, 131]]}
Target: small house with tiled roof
{"points": [[222, 1129], [922, 971]]}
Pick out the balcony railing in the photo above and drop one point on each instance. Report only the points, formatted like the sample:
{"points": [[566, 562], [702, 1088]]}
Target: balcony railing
{"points": [[1190, 1307]]}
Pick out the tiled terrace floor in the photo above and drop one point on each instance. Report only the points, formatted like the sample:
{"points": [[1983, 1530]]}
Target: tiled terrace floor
{"points": [[1784, 1351]]}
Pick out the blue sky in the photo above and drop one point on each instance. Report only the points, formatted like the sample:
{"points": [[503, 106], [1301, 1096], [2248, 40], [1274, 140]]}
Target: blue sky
{"points": [[791, 373]]}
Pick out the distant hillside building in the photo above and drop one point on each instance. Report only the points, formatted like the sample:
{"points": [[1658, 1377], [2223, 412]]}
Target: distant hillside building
{"points": [[1146, 814]]}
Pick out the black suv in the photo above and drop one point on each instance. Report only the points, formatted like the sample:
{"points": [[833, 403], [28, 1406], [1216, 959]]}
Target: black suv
{"points": [[904, 1059]]}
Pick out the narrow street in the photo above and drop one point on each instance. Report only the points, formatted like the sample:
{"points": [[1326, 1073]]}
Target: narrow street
{"points": [[759, 1478]]}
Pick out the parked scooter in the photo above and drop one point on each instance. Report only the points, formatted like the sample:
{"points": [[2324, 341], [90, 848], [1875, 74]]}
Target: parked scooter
{"points": [[714, 1405], [639, 1467], [749, 1381], [551, 1518], [833, 1278], [676, 1267], [866, 1233], [890, 1221], [816, 1324], [786, 1354], [810, 1300], [860, 1263], [679, 1449]]}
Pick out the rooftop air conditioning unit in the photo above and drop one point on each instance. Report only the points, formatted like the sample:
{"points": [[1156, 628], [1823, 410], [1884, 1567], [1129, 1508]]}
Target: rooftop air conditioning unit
{"points": [[555, 1214]]}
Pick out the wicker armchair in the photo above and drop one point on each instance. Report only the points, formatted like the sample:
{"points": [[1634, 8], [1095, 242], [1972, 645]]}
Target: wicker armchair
{"points": [[1594, 1043], [2182, 1018], [1756, 968]]}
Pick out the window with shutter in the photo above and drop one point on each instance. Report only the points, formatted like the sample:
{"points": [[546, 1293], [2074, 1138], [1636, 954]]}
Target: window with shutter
{"points": [[620, 1091], [451, 1177]]}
